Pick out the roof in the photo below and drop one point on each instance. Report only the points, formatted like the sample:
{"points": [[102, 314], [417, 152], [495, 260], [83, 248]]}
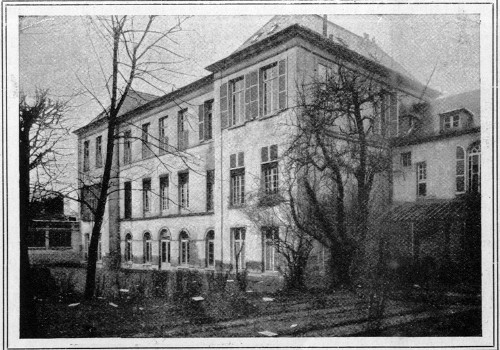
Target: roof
{"points": [[362, 45], [470, 100], [437, 210]]}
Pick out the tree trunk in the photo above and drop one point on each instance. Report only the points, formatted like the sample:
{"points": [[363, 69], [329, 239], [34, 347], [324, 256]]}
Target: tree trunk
{"points": [[28, 322]]}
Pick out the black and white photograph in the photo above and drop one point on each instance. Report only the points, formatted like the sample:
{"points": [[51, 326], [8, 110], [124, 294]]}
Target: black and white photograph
{"points": [[248, 175]]}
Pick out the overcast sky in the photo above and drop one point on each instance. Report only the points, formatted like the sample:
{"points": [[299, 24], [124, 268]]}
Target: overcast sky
{"points": [[56, 53]]}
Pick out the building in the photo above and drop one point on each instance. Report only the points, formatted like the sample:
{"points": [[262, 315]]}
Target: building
{"points": [[187, 160]]}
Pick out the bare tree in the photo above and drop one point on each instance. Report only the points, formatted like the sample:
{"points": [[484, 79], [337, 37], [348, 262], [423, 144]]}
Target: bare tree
{"points": [[338, 152], [41, 128], [136, 49]]}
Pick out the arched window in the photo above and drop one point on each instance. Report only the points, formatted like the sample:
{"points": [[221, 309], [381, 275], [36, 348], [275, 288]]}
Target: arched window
{"points": [[474, 168], [128, 247], [460, 170], [147, 245], [184, 248], [164, 246], [209, 249]]}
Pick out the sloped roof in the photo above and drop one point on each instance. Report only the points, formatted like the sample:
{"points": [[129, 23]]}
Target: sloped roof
{"points": [[363, 46], [442, 210], [469, 100], [133, 100]]}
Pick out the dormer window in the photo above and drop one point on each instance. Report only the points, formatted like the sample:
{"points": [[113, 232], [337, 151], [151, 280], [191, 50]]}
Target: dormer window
{"points": [[451, 122], [256, 36], [273, 28], [455, 120]]}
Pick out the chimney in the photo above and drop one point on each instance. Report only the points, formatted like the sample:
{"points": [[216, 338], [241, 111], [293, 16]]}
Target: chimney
{"points": [[325, 26]]}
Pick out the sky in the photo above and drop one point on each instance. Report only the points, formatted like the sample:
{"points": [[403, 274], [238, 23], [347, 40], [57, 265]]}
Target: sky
{"points": [[63, 54]]}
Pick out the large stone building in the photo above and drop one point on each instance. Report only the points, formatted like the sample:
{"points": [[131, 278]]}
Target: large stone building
{"points": [[186, 161]]}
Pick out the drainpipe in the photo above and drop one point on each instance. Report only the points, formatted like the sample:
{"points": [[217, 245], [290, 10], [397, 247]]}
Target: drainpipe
{"points": [[221, 200]]}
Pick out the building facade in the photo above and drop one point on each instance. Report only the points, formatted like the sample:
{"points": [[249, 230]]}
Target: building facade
{"points": [[186, 162]]}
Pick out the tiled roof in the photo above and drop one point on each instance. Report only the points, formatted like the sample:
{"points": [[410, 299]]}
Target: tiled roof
{"points": [[363, 46], [429, 211], [469, 100]]}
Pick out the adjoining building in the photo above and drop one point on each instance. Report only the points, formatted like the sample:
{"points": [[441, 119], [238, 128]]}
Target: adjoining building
{"points": [[186, 161]]}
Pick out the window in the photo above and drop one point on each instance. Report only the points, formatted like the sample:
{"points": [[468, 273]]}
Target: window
{"points": [[406, 159], [182, 130], [210, 190], [205, 121], [98, 152], [164, 193], [165, 247], [273, 87], [184, 248], [237, 175], [60, 238], [86, 155], [128, 247], [474, 171], [89, 196], [269, 168], [128, 199], [146, 195], [460, 170], [183, 190], [238, 235], [450, 122], [237, 101], [162, 135], [127, 147], [36, 239], [421, 179], [146, 149], [148, 248], [324, 72], [270, 238], [209, 247]]}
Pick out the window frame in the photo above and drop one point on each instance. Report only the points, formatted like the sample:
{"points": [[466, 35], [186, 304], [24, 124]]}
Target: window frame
{"points": [[98, 151], [460, 164], [269, 162], [474, 151], [147, 245], [270, 243], [210, 249], [127, 199], [210, 184], [164, 181], [183, 189], [237, 101], [86, 155], [238, 260], [237, 179], [127, 147], [162, 135], [146, 150], [421, 168], [128, 248], [146, 196], [182, 129], [405, 159], [184, 248]]}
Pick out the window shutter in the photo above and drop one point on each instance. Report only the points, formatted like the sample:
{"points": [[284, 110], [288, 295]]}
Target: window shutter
{"points": [[251, 95], [241, 159], [223, 106], [232, 161], [263, 154], [273, 152], [393, 115], [201, 118], [282, 84]]}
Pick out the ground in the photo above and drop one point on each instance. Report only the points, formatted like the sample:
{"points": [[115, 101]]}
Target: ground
{"points": [[245, 314]]}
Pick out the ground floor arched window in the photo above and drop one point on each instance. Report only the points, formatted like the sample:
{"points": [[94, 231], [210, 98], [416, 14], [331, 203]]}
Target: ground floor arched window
{"points": [[164, 246], [184, 248], [209, 249], [474, 168], [128, 247], [148, 248]]}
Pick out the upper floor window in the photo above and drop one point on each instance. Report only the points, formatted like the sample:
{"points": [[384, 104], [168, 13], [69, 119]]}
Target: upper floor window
{"points": [[237, 101], [210, 189], [450, 122], [205, 121], [421, 179], [127, 147], [274, 87], [86, 155], [460, 170], [148, 248], [98, 152], [146, 195], [164, 193], [237, 175], [183, 190], [323, 73], [474, 170], [406, 159], [182, 130], [269, 169], [127, 198], [146, 147], [162, 135]]}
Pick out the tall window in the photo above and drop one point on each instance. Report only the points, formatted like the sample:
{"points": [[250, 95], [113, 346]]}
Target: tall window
{"points": [[269, 169], [274, 87], [406, 159], [421, 179], [184, 248], [210, 190], [148, 248], [128, 199], [238, 235], [460, 170], [162, 135], [209, 248], [127, 147], [98, 152], [237, 101], [182, 130], [146, 147], [205, 121], [165, 247], [164, 193], [183, 190], [128, 247], [146, 195], [237, 174], [474, 171], [270, 238], [86, 155]]}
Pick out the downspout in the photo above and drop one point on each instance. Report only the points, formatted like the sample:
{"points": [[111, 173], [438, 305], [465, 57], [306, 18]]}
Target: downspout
{"points": [[221, 203]]}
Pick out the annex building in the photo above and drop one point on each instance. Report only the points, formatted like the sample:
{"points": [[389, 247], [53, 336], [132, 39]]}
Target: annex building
{"points": [[187, 161]]}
